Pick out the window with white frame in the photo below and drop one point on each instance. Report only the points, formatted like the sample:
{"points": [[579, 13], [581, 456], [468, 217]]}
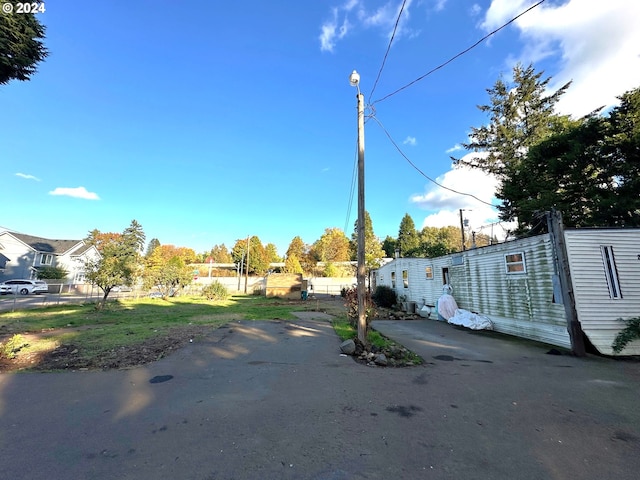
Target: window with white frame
{"points": [[393, 279], [405, 278], [428, 272], [46, 259], [611, 271], [514, 263]]}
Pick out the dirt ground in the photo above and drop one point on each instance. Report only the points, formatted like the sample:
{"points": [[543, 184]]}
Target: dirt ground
{"points": [[67, 356]]}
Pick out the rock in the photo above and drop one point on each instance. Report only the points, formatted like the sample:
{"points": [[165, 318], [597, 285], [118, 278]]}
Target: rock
{"points": [[380, 359], [348, 347]]}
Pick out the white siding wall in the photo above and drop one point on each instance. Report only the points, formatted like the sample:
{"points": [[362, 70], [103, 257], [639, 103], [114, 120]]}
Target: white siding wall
{"points": [[20, 258], [597, 311], [518, 304]]}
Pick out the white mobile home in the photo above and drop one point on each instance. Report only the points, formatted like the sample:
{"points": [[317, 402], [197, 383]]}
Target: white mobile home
{"points": [[517, 284]]}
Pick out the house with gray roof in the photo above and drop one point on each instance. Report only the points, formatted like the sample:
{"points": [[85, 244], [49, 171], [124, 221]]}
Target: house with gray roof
{"points": [[22, 256]]}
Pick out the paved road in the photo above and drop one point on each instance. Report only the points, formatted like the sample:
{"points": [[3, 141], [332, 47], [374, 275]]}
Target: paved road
{"points": [[22, 302], [263, 400]]}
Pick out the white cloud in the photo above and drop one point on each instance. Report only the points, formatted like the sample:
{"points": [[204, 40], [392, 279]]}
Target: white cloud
{"points": [[332, 31], [354, 14], [77, 192], [446, 204], [598, 44], [410, 141], [455, 148], [27, 176]]}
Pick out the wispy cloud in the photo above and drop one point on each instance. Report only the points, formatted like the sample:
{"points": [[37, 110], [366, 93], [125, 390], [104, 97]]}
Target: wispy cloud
{"points": [[591, 38], [410, 141], [77, 192], [455, 148], [27, 176], [353, 14]]}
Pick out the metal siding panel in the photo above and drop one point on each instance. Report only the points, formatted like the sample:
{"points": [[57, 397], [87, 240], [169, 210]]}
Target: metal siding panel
{"points": [[597, 312]]}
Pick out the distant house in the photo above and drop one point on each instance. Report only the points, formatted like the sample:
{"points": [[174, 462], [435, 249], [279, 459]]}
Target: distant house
{"points": [[22, 256], [517, 284]]}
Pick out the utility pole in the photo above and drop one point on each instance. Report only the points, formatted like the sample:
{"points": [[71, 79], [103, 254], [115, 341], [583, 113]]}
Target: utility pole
{"points": [[462, 228], [556, 232], [354, 80], [246, 278]]}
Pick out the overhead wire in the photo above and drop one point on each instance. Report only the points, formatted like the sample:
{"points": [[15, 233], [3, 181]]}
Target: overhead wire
{"points": [[394, 143], [459, 54], [352, 190], [384, 59]]}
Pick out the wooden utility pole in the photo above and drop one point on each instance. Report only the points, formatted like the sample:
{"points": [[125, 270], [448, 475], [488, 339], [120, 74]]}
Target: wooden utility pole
{"points": [[462, 229], [246, 278], [556, 231], [354, 80]]}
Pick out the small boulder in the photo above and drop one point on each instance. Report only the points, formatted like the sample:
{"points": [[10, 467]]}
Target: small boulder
{"points": [[380, 359], [348, 347]]}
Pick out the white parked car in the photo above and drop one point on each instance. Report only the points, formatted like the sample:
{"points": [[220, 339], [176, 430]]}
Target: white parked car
{"points": [[23, 287]]}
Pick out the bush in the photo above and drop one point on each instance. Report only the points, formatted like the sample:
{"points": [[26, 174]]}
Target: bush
{"points": [[629, 333], [215, 291], [351, 302], [385, 296]]}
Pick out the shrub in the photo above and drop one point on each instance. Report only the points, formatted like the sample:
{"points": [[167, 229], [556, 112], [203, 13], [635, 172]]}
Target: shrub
{"points": [[215, 291], [52, 273], [385, 296], [351, 302], [628, 334]]}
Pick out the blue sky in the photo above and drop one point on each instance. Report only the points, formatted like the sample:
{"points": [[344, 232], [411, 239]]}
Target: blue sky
{"points": [[210, 121]]}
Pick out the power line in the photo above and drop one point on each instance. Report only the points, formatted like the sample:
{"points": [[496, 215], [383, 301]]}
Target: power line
{"points": [[352, 191], [420, 171], [384, 59], [460, 54]]}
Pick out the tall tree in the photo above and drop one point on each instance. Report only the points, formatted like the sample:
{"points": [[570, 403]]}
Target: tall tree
{"points": [[332, 246], [119, 261], [589, 171], [373, 252], [258, 262], [389, 246], [21, 45], [272, 253], [153, 244], [167, 270], [220, 254], [408, 241], [520, 116]]}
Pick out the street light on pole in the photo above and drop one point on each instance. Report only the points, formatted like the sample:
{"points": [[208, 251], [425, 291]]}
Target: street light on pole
{"points": [[354, 80]]}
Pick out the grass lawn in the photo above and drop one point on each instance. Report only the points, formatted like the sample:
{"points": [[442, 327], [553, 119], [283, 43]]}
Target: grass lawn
{"points": [[32, 336], [130, 332]]}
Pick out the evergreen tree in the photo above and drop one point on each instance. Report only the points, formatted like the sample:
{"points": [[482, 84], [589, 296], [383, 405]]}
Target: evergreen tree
{"points": [[408, 241], [520, 116]]}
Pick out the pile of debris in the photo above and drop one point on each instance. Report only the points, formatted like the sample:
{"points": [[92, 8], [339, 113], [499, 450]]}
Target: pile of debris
{"points": [[390, 356]]}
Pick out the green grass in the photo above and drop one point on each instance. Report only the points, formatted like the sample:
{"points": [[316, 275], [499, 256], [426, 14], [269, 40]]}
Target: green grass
{"points": [[128, 322]]}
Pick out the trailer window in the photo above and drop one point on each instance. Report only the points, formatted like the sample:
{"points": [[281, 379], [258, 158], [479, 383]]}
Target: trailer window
{"points": [[514, 263], [611, 272], [428, 273]]}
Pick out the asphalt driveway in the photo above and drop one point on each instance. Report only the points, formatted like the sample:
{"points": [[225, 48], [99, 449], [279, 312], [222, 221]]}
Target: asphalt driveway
{"points": [[273, 399]]}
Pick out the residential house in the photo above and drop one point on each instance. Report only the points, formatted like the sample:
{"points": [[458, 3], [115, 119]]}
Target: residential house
{"points": [[21, 256], [518, 284]]}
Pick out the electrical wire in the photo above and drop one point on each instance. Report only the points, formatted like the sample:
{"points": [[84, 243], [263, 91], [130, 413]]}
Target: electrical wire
{"points": [[393, 142], [459, 54], [384, 59], [353, 188]]}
